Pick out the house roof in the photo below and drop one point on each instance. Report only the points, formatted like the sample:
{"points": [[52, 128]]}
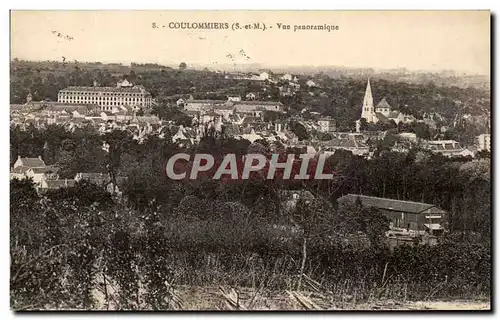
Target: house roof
{"points": [[345, 143], [224, 107], [251, 119], [20, 169], [47, 169], [433, 226], [391, 204], [211, 114], [33, 162], [56, 184], [206, 101], [91, 175], [262, 103]]}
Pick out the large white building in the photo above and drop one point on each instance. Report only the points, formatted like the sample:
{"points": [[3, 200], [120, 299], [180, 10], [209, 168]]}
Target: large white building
{"points": [[124, 94]]}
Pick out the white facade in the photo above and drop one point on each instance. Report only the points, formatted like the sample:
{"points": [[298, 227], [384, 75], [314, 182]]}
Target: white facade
{"points": [[327, 125], [484, 142], [107, 97], [264, 76]]}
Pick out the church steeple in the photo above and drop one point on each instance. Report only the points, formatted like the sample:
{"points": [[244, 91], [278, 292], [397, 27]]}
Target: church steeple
{"points": [[368, 100], [368, 111]]}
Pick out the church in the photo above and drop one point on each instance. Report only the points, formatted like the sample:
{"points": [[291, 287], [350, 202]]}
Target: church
{"points": [[382, 112]]}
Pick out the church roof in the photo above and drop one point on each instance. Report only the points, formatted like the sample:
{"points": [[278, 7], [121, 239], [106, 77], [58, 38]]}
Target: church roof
{"points": [[393, 114], [368, 100], [383, 104], [381, 117]]}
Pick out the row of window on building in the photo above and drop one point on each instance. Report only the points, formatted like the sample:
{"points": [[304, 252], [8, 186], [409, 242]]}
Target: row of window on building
{"points": [[107, 101]]}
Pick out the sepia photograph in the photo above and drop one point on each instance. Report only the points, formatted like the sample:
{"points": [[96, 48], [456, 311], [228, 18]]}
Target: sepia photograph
{"points": [[251, 160]]}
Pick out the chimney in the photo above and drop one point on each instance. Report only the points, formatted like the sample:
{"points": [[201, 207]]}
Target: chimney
{"points": [[18, 157]]}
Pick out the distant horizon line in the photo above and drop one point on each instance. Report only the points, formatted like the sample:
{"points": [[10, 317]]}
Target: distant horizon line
{"points": [[265, 66]]}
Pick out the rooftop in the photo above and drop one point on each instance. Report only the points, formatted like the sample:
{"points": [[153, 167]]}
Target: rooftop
{"points": [[383, 104], [56, 184], [207, 101], [134, 89], [32, 162], [263, 103], [391, 204]]}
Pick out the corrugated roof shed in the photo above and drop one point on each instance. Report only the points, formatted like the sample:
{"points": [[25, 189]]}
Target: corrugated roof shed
{"points": [[391, 204]]}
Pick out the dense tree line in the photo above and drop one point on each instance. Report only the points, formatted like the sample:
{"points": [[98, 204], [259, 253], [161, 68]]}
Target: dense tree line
{"points": [[459, 186]]}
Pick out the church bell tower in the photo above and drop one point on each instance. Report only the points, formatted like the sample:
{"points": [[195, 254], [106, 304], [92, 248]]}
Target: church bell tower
{"points": [[368, 111]]}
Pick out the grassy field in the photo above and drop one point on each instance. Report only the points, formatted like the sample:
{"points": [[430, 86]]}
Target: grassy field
{"points": [[248, 299]]}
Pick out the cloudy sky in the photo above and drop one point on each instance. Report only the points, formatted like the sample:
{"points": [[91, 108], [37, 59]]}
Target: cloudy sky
{"points": [[429, 40]]}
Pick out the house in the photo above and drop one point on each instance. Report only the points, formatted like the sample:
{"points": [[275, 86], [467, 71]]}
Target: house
{"points": [[310, 83], [357, 147], [199, 105], [107, 116], [46, 185], [327, 124], [252, 136], [431, 119], [38, 174], [93, 177], [180, 102], [286, 91], [233, 98], [252, 106], [225, 111], [264, 76], [448, 148], [408, 136], [250, 96], [287, 77], [29, 162], [209, 117], [183, 136], [407, 215]]}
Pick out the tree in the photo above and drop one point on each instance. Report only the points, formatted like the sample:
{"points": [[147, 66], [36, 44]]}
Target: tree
{"points": [[182, 66], [312, 217], [351, 218], [299, 130]]}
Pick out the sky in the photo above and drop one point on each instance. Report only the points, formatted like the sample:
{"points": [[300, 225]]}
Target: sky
{"points": [[416, 40]]}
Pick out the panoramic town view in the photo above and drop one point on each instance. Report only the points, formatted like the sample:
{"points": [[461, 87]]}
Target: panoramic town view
{"points": [[397, 217]]}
